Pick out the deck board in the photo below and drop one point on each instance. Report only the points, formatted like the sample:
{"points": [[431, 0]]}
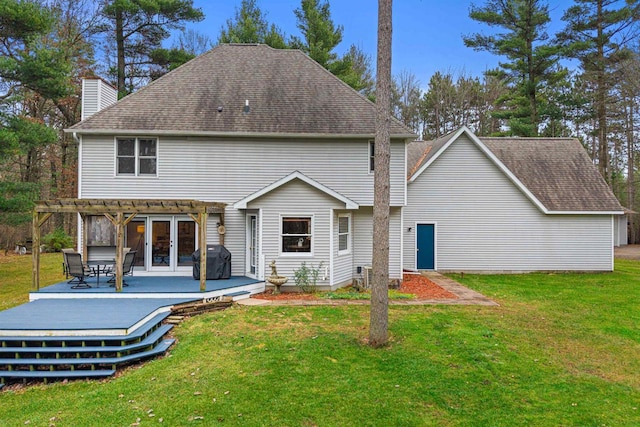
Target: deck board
{"points": [[151, 284], [81, 314]]}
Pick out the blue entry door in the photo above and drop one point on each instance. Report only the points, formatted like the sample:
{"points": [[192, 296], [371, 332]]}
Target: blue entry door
{"points": [[425, 246]]}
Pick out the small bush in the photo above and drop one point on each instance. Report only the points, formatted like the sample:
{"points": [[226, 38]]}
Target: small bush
{"points": [[307, 277], [57, 240]]}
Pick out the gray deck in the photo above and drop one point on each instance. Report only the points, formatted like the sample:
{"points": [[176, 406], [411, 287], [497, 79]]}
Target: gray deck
{"points": [[58, 310], [64, 316], [151, 285]]}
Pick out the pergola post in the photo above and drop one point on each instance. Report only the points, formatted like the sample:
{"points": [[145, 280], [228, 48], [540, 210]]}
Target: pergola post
{"points": [[119, 249], [35, 255], [85, 236], [202, 220], [35, 247]]}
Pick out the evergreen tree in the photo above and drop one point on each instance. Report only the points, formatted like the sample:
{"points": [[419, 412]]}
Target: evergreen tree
{"points": [[250, 25], [531, 60], [320, 34], [138, 27], [26, 62], [598, 33], [358, 73]]}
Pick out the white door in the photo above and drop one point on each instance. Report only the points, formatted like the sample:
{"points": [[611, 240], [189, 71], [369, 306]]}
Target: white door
{"points": [[252, 245], [172, 240], [160, 244]]}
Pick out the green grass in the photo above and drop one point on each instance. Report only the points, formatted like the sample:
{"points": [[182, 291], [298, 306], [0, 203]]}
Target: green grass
{"points": [[15, 277], [560, 350]]}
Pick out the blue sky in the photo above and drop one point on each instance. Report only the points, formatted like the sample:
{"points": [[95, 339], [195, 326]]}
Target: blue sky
{"points": [[427, 34]]}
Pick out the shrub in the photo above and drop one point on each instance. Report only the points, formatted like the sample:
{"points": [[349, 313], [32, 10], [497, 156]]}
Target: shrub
{"points": [[57, 240], [307, 277]]}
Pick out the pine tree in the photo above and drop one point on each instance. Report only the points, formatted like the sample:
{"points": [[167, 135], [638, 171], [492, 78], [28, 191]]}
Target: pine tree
{"points": [[531, 60], [138, 27], [379, 316], [597, 34], [250, 25]]}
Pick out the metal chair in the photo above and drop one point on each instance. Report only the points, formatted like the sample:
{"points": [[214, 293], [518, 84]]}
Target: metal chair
{"points": [[127, 268], [76, 269]]}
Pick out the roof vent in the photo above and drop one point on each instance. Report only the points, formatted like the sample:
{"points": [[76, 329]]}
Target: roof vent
{"points": [[246, 107]]}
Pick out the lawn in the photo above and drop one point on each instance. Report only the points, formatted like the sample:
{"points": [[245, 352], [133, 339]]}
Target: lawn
{"points": [[561, 349]]}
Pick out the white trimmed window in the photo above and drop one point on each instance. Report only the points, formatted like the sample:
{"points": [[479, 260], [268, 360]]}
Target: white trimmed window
{"points": [[344, 233], [136, 156], [372, 156], [297, 234]]}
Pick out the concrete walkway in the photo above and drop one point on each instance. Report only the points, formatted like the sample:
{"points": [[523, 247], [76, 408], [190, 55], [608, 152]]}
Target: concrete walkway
{"points": [[465, 296]]}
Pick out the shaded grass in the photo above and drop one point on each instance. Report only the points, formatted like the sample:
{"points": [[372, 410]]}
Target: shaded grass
{"points": [[560, 350]]}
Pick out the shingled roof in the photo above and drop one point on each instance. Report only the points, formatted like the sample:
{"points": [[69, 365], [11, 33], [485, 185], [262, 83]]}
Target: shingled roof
{"points": [[556, 171], [287, 93]]}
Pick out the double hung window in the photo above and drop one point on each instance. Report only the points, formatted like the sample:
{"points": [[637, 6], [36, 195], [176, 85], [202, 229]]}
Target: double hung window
{"points": [[344, 233], [372, 156], [297, 234], [136, 156]]}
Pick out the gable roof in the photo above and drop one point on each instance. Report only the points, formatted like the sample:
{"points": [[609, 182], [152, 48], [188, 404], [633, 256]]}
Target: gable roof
{"points": [[348, 203], [287, 92], [556, 174]]}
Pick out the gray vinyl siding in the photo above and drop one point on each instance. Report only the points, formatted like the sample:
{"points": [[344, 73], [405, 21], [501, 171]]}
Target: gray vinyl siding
{"points": [[96, 95], [227, 171], [363, 240], [620, 230], [296, 198], [485, 223]]}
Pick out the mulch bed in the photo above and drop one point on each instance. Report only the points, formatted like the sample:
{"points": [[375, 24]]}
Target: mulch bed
{"points": [[415, 284], [423, 288]]}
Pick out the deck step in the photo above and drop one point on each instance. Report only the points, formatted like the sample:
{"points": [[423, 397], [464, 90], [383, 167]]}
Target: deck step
{"points": [[239, 295], [72, 361], [174, 320], [150, 339], [199, 307], [98, 373], [141, 331]]}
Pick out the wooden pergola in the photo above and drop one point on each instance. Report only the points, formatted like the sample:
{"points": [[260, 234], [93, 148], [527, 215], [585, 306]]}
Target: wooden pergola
{"points": [[120, 213]]}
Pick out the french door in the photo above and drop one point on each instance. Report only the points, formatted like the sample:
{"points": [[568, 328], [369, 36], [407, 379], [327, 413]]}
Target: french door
{"points": [[171, 241]]}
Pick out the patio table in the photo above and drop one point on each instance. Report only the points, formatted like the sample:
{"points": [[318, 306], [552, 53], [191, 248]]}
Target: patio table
{"points": [[100, 265]]}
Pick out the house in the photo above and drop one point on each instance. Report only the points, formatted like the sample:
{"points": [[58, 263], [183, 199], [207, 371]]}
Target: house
{"points": [[285, 150], [506, 205], [285, 145]]}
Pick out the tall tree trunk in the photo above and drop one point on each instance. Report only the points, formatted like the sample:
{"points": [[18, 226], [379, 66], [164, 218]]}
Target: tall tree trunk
{"points": [[379, 317], [601, 99], [631, 185], [120, 52]]}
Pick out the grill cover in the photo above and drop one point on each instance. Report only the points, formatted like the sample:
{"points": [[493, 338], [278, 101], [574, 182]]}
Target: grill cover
{"points": [[218, 263]]}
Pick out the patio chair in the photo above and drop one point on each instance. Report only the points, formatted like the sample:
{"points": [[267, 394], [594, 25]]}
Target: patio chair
{"points": [[65, 251], [76, 269], [127, 268]]}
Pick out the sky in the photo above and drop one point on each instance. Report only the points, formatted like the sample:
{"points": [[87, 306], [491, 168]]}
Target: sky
{"points": [[427, 34]]}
